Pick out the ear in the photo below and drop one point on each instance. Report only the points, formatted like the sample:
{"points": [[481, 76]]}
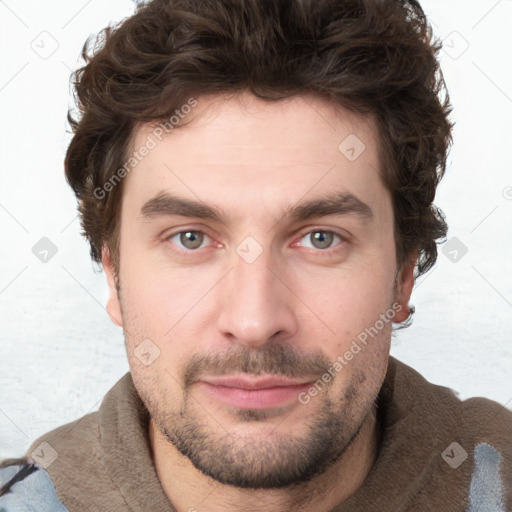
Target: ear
{"points": [[404, 286], [113, 304]]}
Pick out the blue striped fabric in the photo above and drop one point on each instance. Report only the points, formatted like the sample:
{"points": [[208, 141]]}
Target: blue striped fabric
{"points": [[486, 489], [31, 493], [36, 493]]}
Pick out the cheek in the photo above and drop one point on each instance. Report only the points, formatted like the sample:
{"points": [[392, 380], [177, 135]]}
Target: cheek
{"points": [[166, 308], [350, 299], [158, 295]]}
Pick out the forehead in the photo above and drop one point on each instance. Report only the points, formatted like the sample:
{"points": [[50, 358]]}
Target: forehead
{"points": [[256, 154]]}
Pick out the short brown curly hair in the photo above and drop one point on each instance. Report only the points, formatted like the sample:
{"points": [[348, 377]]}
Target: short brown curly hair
{"points": [[374, 57]]}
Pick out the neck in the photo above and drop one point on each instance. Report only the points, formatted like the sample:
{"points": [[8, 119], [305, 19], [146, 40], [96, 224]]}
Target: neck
{"points": [[191, 491]]}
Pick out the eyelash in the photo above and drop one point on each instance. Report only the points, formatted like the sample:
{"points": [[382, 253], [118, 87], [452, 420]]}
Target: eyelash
{"points": [[328, 231], [301, 236]]}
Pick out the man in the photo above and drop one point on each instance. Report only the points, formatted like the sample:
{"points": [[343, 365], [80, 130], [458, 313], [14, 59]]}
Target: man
{"points": [[257, 179]]}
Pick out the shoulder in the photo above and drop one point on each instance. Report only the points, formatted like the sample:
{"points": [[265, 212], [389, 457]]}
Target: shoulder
{"points": [[473, 437], [486, 421], [32, 483], [488, 427], [482, 442], [66, 464], [480, 416], [475, 420], [478, 407], [24, 485], [79, 435]]}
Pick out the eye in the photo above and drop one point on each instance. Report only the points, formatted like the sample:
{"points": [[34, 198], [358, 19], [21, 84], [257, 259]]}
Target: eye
{"points": [[320, 239], [188, 239]]}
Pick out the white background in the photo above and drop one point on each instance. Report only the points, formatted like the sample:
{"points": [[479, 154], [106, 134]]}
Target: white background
{"points": [[59, 353]]}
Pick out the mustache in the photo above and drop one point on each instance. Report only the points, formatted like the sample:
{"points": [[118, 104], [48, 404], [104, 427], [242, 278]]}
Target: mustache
{"points": [[273, 359]]}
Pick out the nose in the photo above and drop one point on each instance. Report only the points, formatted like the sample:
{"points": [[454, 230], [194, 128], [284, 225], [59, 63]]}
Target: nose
{"points": [[256, 304]]}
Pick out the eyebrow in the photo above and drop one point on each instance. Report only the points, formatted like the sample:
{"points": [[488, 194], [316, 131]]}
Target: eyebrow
{"points": [[165, 204]]}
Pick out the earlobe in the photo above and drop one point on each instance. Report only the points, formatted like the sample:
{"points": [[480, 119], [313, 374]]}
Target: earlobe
{"points": [[113, 305], [404, 286]]}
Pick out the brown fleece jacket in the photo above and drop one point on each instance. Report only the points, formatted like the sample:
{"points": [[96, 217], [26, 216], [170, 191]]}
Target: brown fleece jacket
{"points": [[437, 453]]}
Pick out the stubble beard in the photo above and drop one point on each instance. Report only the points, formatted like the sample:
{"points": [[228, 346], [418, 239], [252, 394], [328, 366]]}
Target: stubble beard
{"points": [[269, 461], [272, 461]]}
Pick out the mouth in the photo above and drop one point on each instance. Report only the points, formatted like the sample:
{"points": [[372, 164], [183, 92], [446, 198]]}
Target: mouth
{"points": [[243, 392]]}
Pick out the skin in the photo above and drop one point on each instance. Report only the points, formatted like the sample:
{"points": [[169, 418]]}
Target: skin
{"points": [[297, 300]]}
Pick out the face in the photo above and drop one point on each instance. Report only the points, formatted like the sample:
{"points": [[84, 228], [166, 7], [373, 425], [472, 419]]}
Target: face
{"points": [[258, 285]]}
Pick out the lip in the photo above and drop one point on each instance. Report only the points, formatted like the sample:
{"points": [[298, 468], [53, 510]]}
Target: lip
{"points": [[245, 382], [264, 392]]}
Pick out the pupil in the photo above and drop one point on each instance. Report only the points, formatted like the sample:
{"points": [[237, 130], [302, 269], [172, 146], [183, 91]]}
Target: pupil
{"points": [[191, 239], [322, 239]]}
